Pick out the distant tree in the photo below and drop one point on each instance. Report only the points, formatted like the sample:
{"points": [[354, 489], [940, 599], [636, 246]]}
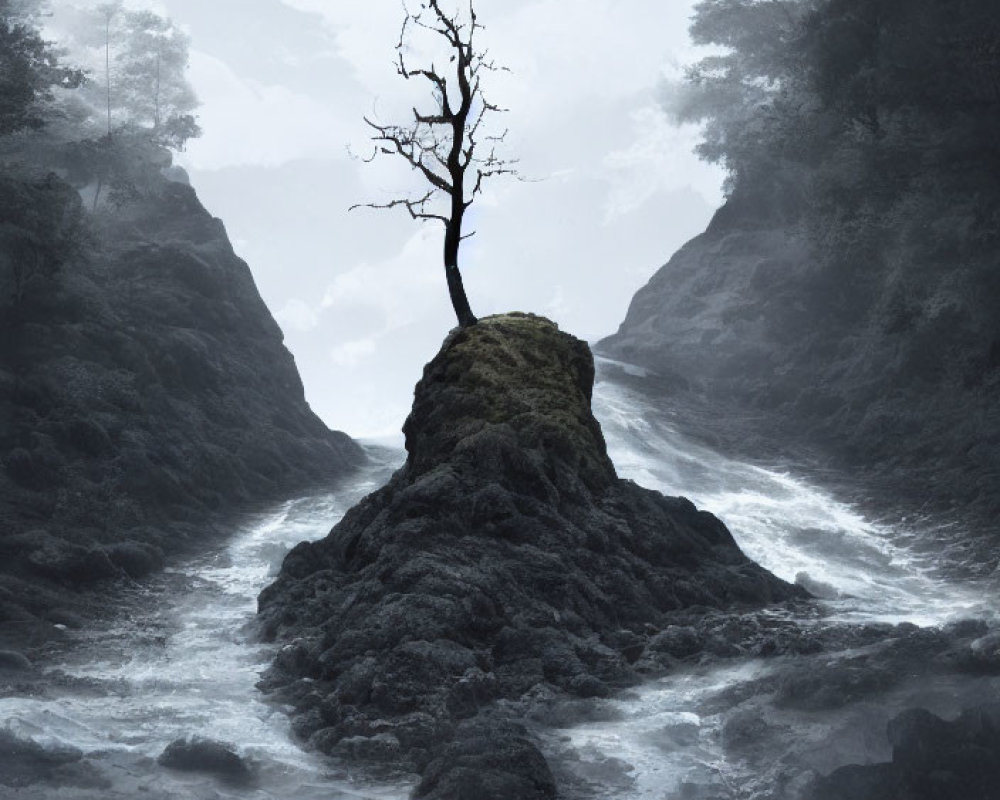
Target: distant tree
{"points": [[29, 69], [754, 80], [448, 144], [138, 103], [867, 126], [854, 89], [108, 13], [138, 63], [152, 82]]}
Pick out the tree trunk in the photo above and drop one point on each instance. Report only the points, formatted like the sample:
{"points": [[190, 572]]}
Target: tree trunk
{"points": [[107, 67], [458, 299], [456, 290]]}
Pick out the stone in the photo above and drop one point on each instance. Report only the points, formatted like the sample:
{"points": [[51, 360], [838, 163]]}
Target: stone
{"points": [[14, 661], [196, 754], [504, 556], [932, 759]]}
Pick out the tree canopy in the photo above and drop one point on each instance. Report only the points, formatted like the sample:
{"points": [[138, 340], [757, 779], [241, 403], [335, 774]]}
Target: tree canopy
{"points": [[29, 69], [137, 72], [864, 86], [872, 129]]}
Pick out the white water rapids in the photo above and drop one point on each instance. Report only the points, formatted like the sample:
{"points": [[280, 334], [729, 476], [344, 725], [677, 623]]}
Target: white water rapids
{"points": [[179, 663], [865, 570], [182, 664]]}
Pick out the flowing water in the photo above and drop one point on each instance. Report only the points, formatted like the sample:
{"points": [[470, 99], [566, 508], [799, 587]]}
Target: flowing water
{"points": [[672, 739], [178, 661], [866, 571]]}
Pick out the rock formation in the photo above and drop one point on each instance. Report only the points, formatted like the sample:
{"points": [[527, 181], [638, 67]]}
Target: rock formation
{"points": [[145, 394], [504, 558], [794, 351]]}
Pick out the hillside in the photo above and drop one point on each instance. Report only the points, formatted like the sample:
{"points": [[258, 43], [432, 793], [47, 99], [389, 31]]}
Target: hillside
{"points": [[145, 395], [841, 308]]}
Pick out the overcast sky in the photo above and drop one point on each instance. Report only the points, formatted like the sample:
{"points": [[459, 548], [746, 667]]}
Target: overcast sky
{"points": [[614, 189]]}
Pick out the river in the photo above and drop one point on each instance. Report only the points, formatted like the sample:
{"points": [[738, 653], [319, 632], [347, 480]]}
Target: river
{"points": [[178, 660]]}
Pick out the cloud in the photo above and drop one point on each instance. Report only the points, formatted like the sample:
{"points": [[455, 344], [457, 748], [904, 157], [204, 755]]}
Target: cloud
{"points": [[249, 122], [362, 296], [651, 163], [403, 288], [297, 315], [350, 354]]}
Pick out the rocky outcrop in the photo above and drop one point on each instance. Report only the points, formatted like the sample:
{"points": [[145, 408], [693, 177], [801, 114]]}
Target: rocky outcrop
{"points": [[145, 395], [504, 558]]}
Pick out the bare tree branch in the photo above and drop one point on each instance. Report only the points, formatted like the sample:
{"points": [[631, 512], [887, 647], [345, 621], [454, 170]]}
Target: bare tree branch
{"points": [[447, 143]]}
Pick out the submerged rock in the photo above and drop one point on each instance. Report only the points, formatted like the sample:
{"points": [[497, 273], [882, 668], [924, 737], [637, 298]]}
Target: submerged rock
{"points": [[503, 556], [23, 761], [204, 755], [14, 661]]}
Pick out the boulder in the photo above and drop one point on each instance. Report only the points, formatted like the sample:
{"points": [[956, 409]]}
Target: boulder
{"points": [[505, 555], [205, 755]]}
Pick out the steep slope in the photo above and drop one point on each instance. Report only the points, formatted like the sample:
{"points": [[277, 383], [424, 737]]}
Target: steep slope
{"points": [[504, 559], [889, 374], [144, 393], [844, 300]]}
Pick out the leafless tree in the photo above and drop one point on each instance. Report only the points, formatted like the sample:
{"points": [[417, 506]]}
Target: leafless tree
{"points": [[449, 145]]}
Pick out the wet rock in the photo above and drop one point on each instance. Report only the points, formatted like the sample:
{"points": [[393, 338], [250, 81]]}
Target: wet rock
{"points": [[135, 558], [205, 755], [832, 685], [746, 730], [380, 748], [857, 782], [677, 641], [24, 761], [815, 587], [983, 654], [65, 561], [488, 760], [579, 771], [14, 661], [504, 556], [932, 759]]}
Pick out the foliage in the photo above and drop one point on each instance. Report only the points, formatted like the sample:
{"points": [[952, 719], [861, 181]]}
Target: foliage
{"points": [[152, 87], [137, 63], [875, 124], [883, 89], [126, 165], [110, 134], [29, 69], [41, 228]]}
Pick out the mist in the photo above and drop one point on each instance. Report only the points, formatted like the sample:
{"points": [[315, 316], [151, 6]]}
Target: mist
{"points": [[699, 501]]}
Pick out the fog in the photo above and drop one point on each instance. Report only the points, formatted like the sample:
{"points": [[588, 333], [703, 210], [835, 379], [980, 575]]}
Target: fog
{"points": [[612, 187]]}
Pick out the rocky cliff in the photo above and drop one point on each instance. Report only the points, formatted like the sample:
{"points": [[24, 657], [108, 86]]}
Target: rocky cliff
{"points": [[843, 302], [889, 374], [504, 559], [145, 395]]}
